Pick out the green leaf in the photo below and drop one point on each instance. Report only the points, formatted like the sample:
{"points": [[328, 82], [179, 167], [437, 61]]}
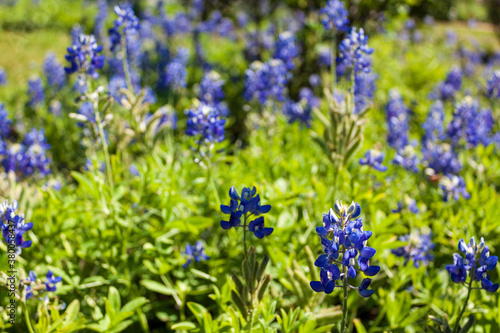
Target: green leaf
{"points": [[157, 287], [114, 298], [134, 304], [185, 325], [359, 326]]}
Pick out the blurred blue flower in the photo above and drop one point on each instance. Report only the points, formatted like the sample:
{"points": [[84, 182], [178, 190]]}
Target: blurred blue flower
{"points": [[374, 159], [469, 123], [126, 23], [451, 85], [84, 56], [36, 92], [440, 159], [266, 81], [334, 16], [301, 111], [54, 72], [364, 90], [453, 186], [195, 252], [205, 122], [286, 50], [354, 53], [407, 158], [3, 77], [418, 248], [5, 122], [175, 73], [433, 125], [51, 281], [397, 121], [493, 85], [476, 262], [350, 241]]}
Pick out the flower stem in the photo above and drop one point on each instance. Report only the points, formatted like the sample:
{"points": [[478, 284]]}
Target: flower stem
{"points": [[343, 324], [245, 236], [104, 146], [27, 317], [457, 324], [126, 69], [333, 53]]}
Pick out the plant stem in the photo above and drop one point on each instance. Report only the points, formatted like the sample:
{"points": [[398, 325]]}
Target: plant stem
{"points": [[343, 324], [333, 56], [27, 317], [457, 324], [245, 236], [126, 68], [104, 145]]}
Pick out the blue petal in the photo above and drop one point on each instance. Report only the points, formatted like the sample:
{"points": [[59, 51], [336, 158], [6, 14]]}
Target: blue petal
{"points": [[258, 234], [321, 231], [233, 194], [351, 273], [366, 292], [317, 286], [321, 261], [267, 231], [368, 252], [329, 287], [264, 209], [365, 283], [225, 209], [357, 211], [493, 288], [225, 225], [372, 270]]}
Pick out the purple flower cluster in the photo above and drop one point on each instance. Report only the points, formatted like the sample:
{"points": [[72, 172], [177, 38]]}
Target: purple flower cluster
{"points": [[441, 159], [418, 248], [175, 73], [195, 252], [476, 262], [211, 93], [397, 121], [364, 90], [374, 159], [286, 50], [348, 240], [451, 85], [3, 77], [126, 22], [36, 92], [469, 123], [205, 122], [301, 111], [84, 56], [265, 82], [5, 123], [13, 226], [493, 86], [246, 205], [36, 285], [453, 186], [54, 72], [334, 16], [433, 125], [354, 52]]}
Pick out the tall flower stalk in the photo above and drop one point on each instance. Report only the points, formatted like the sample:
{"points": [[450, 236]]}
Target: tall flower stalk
{"points": [[245, 206], [344, 244]]}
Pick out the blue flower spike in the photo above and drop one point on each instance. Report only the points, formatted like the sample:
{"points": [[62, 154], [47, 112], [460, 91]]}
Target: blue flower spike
{"points": [[245, 205], [344, 244], [475, 261]]}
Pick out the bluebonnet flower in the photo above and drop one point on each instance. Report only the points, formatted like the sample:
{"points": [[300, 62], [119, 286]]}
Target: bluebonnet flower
{"points": [[354, 53], [242, 19], [3, 77], [246, 205], [476, 262], [374, 159], [54, 72], [470, 60], [133, 170], [211, 93], [314, 80], [286, 50], [470, 124], [33, 284], [453, 186], [36, 153], [126, 22], [451, 85], [349, 239], [397, 121], [302, 110], [429, 20], [433, 125], [364, 90], [266, 81], [5, 122], [205, 122], [411, 204], [440, 159], [84, 56], [13, 226], [451, 37], [75, 33], [407, 158], [418, 248], [175, 73], [324, 55], [36, 92], [100, 19], [334, 16], [493, 86], [86, 113], [257, 41], [195, 252]]}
